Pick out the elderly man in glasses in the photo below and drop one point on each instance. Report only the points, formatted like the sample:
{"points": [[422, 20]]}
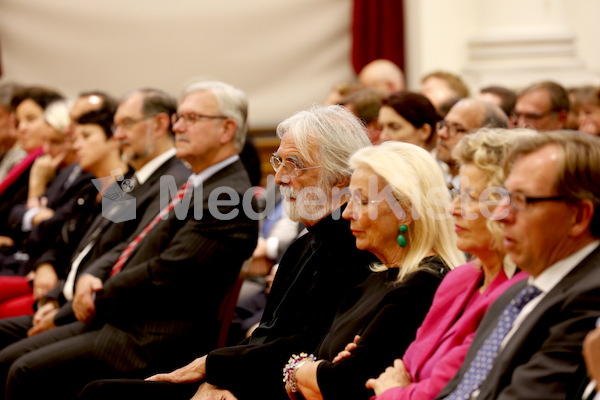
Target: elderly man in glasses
{"points": [[528, 345], [154, 299], [314, 274], [463, 118]]}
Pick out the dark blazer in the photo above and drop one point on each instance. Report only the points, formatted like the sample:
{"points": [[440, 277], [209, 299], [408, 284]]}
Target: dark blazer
{"points": [[161, 309], [104, 234], [315, 274], [543, 359], [70, 183]]}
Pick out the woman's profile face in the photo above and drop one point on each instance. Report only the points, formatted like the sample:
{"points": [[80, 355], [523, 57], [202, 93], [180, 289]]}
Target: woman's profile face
{"points": [[396, 127], [373, 221], [31, 125], [468, 209]]}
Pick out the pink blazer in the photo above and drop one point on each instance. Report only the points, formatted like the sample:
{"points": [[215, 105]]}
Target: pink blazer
{"points": [[444, 337]]}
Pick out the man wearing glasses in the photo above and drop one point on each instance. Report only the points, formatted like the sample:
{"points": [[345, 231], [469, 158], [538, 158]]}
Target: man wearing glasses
{"points": [[464, 117], [528, 346], [542, 106], [315, 273], [154, 299]]}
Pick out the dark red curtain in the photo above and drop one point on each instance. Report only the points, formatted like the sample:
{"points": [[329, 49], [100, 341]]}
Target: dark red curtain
{"points": [[378, 32]]}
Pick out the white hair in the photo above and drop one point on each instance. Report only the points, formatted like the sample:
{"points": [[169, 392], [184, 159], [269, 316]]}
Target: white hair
{"points": [[232, 103]]}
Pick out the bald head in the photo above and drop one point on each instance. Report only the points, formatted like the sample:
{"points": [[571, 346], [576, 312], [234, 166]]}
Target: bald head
{"points": [[382, 75]]}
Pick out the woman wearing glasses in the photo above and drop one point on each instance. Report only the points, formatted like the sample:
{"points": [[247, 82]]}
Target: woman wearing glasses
{"points": [[398, 211], [465, 293]]}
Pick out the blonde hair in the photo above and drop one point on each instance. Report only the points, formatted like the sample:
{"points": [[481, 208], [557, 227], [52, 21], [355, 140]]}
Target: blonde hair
{"points": [[486, 150], [417, 183]]}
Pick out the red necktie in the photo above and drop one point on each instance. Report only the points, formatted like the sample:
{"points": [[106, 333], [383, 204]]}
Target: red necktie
{"points": [[165, 211]]}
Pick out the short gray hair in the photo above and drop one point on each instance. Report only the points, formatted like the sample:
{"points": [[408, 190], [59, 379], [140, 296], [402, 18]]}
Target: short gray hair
{"points": [[232, 103], [494, 117], [335, 131]]}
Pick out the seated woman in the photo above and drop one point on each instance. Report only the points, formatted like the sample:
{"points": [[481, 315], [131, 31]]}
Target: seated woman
{"points": [[398, 211], [465, 293], [408, 117], [97, 154]]}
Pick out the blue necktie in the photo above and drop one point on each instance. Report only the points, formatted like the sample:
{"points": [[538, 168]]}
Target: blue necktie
{"points": [[484, 359]]}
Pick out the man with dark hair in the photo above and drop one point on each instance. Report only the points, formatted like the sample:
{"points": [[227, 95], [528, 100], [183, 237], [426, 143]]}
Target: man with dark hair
{"points": [[543, 106], [528, 346], [501, 96]]}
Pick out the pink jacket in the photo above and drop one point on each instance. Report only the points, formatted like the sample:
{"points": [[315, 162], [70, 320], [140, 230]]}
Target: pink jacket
{"points": [[444, 337]]}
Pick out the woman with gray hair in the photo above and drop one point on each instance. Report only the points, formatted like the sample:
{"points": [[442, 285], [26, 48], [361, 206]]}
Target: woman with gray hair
{"points": [[465, 294], [398, 211]]}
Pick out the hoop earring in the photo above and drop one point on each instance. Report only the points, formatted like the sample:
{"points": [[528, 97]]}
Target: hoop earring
{"points": [[401, 238]]}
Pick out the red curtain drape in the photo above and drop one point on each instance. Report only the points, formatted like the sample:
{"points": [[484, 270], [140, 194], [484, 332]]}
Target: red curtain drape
{"points": [[378, 32]]}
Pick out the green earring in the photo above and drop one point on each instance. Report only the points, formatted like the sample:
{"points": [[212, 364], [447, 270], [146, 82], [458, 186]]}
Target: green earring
{"points": [[401, 238]]}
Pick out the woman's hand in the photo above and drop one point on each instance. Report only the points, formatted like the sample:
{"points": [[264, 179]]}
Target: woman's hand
{"points": [[395, 376], [347, 350]]}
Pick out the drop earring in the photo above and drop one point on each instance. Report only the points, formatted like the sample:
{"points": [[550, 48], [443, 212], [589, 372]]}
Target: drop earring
{"points": [[401, 238]]}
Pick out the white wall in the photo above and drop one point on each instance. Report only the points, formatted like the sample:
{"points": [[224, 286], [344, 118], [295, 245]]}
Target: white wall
{"points": [[439, 32], [285, 54]]}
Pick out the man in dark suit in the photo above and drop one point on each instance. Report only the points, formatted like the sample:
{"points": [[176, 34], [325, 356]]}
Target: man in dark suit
{"points": [[314, 275], [148, 147], [158, 301], [529, 347]]}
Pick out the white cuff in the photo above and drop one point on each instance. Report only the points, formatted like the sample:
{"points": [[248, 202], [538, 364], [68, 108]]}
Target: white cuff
{"points": [[27, 223]]}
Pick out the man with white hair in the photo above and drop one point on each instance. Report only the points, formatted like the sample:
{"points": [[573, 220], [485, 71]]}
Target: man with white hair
{"points": [[314, 275]]}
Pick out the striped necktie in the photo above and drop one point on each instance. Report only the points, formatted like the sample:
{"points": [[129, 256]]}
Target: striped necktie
{"points": [[161, 215], [484, 359]]}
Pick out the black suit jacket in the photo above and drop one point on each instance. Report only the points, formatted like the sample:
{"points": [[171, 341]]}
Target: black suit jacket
{"points": [[314, 276], [543, 358], [103, 234], [161, 309]]}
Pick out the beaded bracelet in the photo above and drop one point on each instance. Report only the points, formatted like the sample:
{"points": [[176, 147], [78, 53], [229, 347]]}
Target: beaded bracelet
{"points": [[293, 364]]}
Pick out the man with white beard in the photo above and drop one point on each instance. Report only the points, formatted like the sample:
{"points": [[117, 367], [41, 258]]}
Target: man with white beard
{"points": [[314, 275]]}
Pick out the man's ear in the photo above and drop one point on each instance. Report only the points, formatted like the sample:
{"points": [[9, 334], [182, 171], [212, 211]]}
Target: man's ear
{"points": [[582, 219], [229, 128], [161, 123]]}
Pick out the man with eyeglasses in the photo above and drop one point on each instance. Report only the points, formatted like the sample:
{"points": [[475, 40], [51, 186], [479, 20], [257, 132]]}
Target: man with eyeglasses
{"points": [[464, 117], [528, 346], [542, 106], [317, 270], [143, 306]]}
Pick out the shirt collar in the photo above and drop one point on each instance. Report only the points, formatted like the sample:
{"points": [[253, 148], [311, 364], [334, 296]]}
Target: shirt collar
{"points": [[151, 166], [199, 178], [552, 275]]}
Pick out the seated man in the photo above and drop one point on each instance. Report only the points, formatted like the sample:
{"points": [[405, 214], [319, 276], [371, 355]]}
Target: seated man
{"points": [[314, 275], [157, 304], [528, 346]]}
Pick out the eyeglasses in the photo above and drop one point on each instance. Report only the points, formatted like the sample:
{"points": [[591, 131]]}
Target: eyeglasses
{"points": [[519, 202], [529, 116], [356, 199], [290, 167], [192, 118], [128, 123], [453, 129]]}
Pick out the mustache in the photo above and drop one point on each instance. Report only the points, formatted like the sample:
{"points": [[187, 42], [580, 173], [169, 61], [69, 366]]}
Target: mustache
{"points": [[182, 137], [288, 192]]}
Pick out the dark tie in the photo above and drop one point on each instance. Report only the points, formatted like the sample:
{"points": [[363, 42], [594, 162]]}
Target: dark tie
{"points": [[161, 215], [484, 359]]}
